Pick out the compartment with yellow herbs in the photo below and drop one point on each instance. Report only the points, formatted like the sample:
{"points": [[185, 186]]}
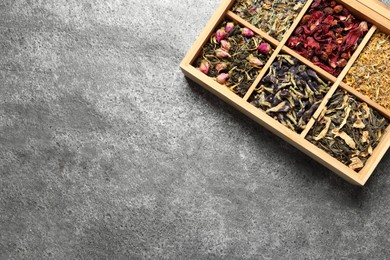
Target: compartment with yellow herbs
{"points": [[370, 74]]}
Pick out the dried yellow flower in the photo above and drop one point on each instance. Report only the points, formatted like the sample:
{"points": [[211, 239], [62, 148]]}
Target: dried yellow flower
{"points": [[370, 74]]}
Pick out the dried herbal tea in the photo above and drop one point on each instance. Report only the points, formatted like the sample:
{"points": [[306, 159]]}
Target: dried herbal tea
{"points": [[290, 92], [327, 35], [370, 74], [348, 129], [234, 56], [272, 17]]}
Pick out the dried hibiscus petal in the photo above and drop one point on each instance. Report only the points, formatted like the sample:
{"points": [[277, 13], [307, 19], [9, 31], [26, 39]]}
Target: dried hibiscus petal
{"points": [[353, 36], [327, 35]]}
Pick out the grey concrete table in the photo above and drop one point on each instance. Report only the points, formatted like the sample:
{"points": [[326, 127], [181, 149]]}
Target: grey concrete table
{"points": [[109, 152]]}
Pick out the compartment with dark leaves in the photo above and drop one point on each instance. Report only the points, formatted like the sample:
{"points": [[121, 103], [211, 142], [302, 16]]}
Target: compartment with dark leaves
{"points": [[290, 92]]}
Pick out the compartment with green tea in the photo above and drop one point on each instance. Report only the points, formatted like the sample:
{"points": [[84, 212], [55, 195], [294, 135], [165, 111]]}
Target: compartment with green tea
{"points": [[272, 17], [370, 74], [328, 34], [348, 129], [234, 56], [290, 92]]}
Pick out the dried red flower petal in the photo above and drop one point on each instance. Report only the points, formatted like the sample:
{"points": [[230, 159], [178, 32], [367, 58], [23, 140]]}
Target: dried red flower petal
{"points": [[324, 67], [328, 10], [341, 63], [354, 35], [311, 43], [293, 42], [305, 19], [338, 9], [325, 33]]}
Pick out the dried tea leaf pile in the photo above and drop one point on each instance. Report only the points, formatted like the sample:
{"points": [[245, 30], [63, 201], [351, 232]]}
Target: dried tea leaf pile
{"points": [[272, 17], [370, 74], [348, 130], [290, 92], [234, 56], [327, 35]]}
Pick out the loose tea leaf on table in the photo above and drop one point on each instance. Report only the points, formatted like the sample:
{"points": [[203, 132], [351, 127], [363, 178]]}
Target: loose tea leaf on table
{"points": [[290, 92], [327, 35], [234, 56], [272, 17], [370, 74], [348, 129]]}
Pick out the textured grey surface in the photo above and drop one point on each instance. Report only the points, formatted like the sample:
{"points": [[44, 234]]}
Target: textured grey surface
{"points": [[108, 152]]}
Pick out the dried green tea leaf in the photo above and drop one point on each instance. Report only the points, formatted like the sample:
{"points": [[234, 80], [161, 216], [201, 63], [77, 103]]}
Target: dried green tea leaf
{"points": [[356, 164], [361, 132]]}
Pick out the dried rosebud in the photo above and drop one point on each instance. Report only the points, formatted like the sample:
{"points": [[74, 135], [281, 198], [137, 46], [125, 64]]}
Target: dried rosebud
{"points": [[204, 67], [221, 53], [229, 26], [264, 48], [221, 34], [332, 4], [222, 78], [247, 32], [225, 45], [338, 9], [254, 62], [221, 66], [305, 19]]}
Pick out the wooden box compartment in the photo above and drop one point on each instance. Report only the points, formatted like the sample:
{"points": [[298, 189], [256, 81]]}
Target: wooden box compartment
{"points": [[245, 87]]}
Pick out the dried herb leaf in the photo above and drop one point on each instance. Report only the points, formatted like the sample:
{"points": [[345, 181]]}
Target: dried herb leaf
{"points": [[349, 136]]}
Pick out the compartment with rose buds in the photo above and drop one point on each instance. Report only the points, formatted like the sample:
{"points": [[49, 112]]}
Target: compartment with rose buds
{"points": [[290, 92], [233, 56], [328, 34], [272, 17], [348, 129]]}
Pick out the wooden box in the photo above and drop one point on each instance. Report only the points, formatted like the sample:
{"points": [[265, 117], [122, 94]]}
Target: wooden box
{"points": [[372, 11]]}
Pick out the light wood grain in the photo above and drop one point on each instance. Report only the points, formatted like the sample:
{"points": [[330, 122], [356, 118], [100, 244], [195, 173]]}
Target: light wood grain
{"points": [[370, 11], [375, 158]]}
